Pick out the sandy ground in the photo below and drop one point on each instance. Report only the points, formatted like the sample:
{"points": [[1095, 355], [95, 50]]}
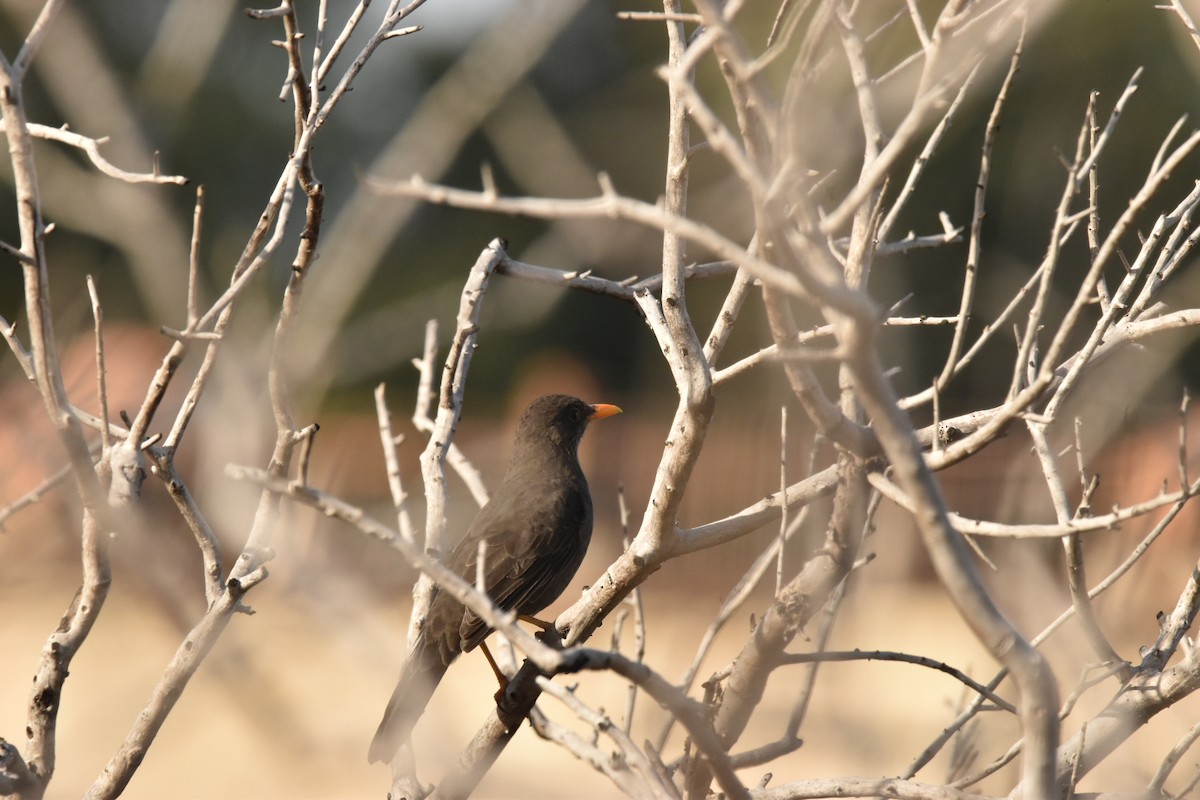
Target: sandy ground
{"points": [[285, 706], [291, 696]]}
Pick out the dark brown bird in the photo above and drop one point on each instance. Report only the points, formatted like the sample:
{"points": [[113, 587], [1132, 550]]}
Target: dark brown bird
{"points": [[537, 527]]}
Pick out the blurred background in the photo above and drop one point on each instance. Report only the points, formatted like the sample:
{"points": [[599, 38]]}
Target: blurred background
{"points": [[548, 94]]}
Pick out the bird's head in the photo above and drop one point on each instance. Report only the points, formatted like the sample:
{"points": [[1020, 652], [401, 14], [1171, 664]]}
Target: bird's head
{"points": [[560, 419]]}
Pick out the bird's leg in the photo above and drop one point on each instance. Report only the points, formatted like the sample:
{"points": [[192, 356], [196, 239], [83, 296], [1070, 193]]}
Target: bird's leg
{"points": [[500, 676]]}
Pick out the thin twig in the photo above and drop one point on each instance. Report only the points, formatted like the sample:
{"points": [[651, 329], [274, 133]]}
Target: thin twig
{"points": [[34, 495], [1035, 530], [972, 265], [1098, 145], [1155, 787], [101, 371], [206, 538], [91, 147], [1073, 546], [629, 767], [824, 656], [390, 442], [1104, 585], [639, 615], [193, 286]]}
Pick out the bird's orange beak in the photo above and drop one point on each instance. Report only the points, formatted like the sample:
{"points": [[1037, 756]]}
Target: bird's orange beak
{"points": [[602, 410]]}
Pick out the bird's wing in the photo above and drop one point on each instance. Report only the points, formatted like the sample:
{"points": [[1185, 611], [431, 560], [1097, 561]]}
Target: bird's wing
{"points": [[530, 558]]}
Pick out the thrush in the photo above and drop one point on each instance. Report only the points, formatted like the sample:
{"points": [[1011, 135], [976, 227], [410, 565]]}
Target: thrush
{"points": [[536, 529]]}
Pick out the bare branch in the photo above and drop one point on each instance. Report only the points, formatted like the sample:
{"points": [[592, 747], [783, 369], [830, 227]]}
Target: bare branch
{"points": [[864, 787], [33, 41], [191, 652], [454, 377], [690, 713], [35, 269], [91, 147], [1097, 146], [970, 277], [1155, 787], [194, 261], [1073, 545], [101, 372], [606, 205], [1186, 18], [60, 649], [390, 442], [630, 769]]}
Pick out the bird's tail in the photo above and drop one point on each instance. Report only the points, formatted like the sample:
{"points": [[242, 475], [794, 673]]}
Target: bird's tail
{"points": [[412, 694]]}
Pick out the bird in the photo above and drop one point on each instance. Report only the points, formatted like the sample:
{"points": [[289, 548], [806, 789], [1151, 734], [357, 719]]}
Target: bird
{"points": [[536, 527]]}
